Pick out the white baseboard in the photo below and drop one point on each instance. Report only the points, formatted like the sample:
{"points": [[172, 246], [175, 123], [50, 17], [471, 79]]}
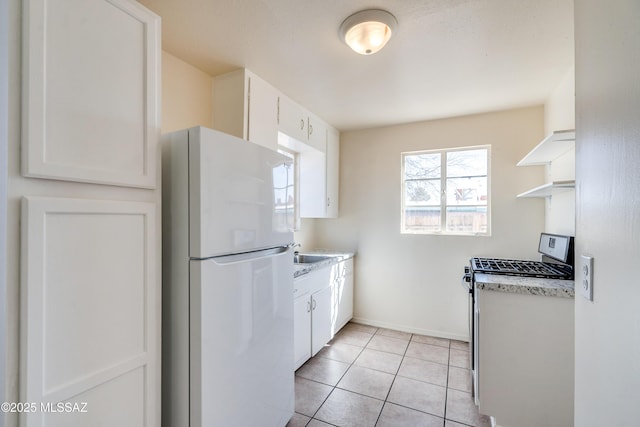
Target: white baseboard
{"points": [[405, 328]]}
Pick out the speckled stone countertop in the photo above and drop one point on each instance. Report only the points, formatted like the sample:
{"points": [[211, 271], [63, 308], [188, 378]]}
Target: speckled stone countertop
{"points": [[335, 257], [525, 285]]}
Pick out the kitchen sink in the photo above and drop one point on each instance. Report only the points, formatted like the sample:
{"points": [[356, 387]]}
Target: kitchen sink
{"points": [[309, 259]]}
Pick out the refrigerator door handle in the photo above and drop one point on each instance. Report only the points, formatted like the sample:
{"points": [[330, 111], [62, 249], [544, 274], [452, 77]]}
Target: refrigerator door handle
{"points": [[253, 255]]}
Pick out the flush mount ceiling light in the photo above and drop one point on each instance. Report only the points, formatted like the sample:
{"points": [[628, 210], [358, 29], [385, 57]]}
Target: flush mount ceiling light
{"points": [[368, 31]]}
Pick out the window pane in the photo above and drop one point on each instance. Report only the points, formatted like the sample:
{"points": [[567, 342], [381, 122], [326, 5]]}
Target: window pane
{"points": [[422, 218], [284, 218], [422, 193], [449, 198], [422, 166], [467, 191], [467, 219], [467, 163]]}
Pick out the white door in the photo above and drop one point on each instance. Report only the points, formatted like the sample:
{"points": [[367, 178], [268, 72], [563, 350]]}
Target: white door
{"points": [[241, 340]]}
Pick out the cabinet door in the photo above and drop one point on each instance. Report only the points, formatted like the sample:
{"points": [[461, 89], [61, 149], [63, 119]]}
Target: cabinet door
{"points": [[292, 119], [91, 311], [91, 94], [343, 294], [312, 184], [332, 172], [262, 122], [321, 329], [317, 133], [301, 330]]}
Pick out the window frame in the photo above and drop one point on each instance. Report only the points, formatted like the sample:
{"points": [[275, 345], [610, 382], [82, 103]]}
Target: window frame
{"points": [[443, 191], [296, 183]]}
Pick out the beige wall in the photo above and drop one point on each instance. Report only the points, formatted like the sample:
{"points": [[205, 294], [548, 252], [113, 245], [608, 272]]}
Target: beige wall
{"points": [[186, 95], [608, 211], [412, 282]]}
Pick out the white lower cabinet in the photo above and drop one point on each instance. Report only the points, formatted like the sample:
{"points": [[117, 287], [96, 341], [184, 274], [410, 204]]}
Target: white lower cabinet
{"points": [[312, 314], [321, 330], [342, 294], [323, 304], [526, 358], [301, 327]]}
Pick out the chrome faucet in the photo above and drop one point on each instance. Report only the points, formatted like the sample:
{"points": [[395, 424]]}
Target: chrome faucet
{"points": [[296, 253]]}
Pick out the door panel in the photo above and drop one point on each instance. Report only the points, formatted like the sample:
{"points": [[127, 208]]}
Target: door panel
{"points": [[90, 331], [321, 328], [302, 329], [91, 92]]}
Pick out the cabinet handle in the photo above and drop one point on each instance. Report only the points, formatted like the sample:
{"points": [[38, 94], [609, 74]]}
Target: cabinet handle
{"points": [[308, 306], [328, 201], [310, 129], [301, 124], [313, 307]]}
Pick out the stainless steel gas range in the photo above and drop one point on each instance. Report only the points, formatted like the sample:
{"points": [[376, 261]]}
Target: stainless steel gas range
{"points": [[557, 262]]}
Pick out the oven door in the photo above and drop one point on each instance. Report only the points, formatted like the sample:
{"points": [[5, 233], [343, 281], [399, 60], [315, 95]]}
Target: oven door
{"points": [[475, 346], [467, 283]]}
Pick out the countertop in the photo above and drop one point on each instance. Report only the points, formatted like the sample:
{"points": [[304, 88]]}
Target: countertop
{"points": [[525, 285], [335, 258]]}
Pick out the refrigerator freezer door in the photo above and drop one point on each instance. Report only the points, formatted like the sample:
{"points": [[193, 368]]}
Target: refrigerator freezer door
{"points": [[240, 195], [241, 340]]}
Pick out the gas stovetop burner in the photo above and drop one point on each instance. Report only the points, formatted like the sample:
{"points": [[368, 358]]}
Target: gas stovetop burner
{"points": [[521, 268]]}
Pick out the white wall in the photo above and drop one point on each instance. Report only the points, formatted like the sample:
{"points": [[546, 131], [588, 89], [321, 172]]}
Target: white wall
{"points": [[412, 282], [559, 114], [608, 211]]}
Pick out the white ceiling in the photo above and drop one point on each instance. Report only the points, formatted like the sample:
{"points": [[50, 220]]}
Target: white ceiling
{"points": [[447, 57]]}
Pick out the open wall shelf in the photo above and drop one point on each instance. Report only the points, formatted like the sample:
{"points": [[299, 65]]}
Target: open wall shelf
{"points": [[549, 189], [552, 147]]}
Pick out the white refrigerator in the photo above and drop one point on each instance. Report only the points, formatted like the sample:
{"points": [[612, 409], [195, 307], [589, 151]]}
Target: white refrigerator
{"points": [[227, 282]]}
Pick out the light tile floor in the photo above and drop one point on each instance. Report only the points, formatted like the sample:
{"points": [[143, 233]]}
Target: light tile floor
{"points": [[368, 377]]}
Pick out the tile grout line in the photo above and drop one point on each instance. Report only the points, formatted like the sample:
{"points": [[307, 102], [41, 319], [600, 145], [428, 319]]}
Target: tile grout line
{"points": [[395, 376], [340, 379], [384, 401], [446, 388]]}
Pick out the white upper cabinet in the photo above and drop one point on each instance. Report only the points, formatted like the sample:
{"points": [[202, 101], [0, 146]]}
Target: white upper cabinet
{"points": [[292, 119], [262, 126], [91, 86], [333, 172], [313, 183], [319, 176], [246, 106], [317, 132], [318, 146]]}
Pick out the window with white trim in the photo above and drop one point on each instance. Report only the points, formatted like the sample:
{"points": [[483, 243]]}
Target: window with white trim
{"points": [[446, 191], [287, 197]]}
